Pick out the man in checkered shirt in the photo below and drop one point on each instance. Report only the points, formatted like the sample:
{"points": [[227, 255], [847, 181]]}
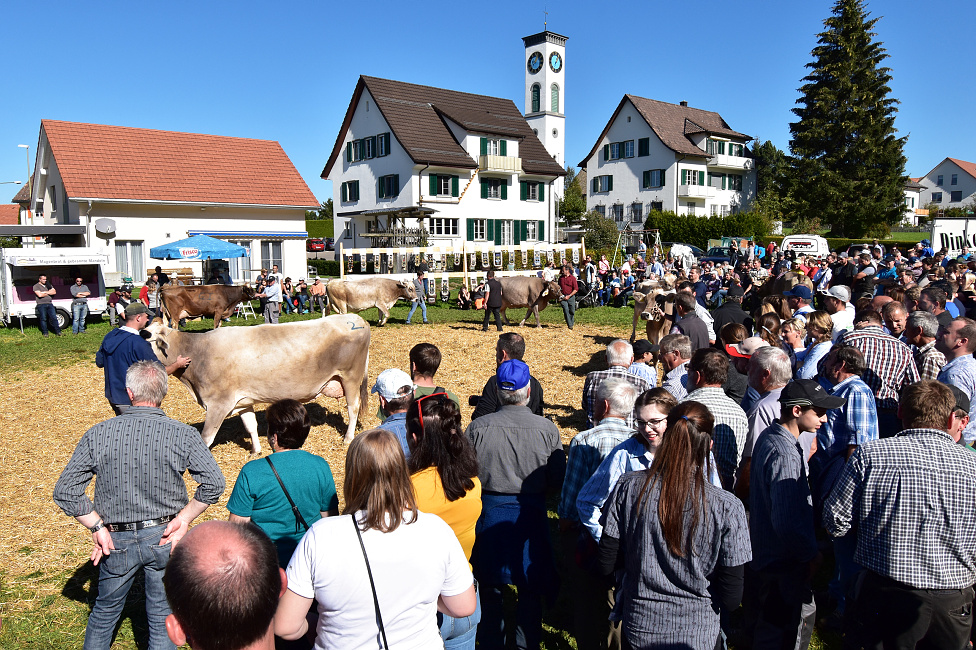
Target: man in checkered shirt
{"points": [[620, 354], [910, 499], [958, 342]]}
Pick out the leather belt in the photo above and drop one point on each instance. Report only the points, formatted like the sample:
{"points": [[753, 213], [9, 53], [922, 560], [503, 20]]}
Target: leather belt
{"points": [[139, 525]]}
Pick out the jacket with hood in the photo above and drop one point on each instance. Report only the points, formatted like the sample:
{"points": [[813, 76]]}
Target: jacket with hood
{"points": [[120, 349]]}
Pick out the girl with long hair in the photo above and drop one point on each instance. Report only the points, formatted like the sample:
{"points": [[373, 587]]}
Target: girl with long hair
{"points": [[768, 329], [820, 329], [381, 571], [680, 542]]}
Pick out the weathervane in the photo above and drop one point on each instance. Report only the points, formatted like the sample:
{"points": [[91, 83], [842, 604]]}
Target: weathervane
{"points": [[545, 23]]}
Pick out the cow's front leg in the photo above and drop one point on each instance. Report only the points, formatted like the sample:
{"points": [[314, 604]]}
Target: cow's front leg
{"points": [[250, 422]]}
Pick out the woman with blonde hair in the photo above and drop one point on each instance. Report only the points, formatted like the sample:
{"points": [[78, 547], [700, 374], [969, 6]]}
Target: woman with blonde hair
{"points": [[381, 571], [768, 329], [777, 305], [819, 330], [794, 333]]}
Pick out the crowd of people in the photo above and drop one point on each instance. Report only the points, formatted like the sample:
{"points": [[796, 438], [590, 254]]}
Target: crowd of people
{"points": [[695, 507]]}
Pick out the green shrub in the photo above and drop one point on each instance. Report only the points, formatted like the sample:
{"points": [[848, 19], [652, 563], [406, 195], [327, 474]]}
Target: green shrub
{"points": [[697, 230], [319, 228], [325, 268]]}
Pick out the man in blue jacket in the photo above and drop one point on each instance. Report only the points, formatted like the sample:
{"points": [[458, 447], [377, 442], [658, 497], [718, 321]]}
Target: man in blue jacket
{"points": [[123, 347]]}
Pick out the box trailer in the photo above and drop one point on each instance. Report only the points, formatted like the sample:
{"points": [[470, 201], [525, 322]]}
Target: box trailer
{"points": [[952, 233], [20, 268]]}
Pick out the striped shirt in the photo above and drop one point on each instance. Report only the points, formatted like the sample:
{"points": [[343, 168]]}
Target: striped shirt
{"points": [[889, 363], [139, 458], [586, 451], [597, 377], [961, 373], [729, 434], [910, 499], [675, 382], [928, 360]]}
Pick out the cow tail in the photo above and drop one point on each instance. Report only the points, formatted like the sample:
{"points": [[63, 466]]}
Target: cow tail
{"points": [[364, 394]]}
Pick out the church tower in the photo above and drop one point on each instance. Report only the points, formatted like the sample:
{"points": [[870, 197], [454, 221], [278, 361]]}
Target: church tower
{"points": [[545, 93]]}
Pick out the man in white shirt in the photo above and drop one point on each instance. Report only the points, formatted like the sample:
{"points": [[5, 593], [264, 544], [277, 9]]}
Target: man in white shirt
{"points": [[835, 302], [272, 293]]}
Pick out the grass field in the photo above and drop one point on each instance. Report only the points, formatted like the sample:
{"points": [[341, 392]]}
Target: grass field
{"points": [[51, 391]]}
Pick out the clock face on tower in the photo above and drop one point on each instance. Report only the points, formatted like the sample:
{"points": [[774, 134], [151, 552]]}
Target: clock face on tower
{"points": [[535, 62], [555, 62]]}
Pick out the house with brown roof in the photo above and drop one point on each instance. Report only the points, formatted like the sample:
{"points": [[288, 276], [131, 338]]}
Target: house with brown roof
{"points": [[951, 184], [124, 190], [653, 155], [465, 167]]}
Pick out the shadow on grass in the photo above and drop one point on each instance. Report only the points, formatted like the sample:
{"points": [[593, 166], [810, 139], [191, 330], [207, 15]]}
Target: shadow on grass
{"points": [[232, 429], [82, 587]]}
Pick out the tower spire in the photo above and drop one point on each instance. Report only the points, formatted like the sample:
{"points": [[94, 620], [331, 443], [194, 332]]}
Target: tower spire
{"points": [[545, 22]]}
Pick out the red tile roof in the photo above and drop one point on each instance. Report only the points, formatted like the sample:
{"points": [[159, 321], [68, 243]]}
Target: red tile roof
{"points": [[968, 167], [116, 162], [8, 214]]}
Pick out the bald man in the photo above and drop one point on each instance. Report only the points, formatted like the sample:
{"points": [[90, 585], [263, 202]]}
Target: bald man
{"points": [[223, 584]]}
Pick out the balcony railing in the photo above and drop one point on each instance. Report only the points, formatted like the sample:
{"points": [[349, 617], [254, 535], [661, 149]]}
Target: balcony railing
{"points": [[731, 162], [506, 164], [696, 191]]}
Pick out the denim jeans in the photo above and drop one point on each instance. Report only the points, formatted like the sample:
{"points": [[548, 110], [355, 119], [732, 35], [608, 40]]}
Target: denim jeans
{"points": [[413, 308], [569, 310], [47, 319], [134, 550], [78, 315], [302, 302], [528, 619], [460, 633]]}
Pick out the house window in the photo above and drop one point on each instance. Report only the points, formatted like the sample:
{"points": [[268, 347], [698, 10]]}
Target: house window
{"points": [[643, 147], [954, 180], [53, 195], [938, 180], [240, 267], [716, 180], [479, 229], [601, 210], [443, 185], [691, 209], [507, 236], [909, 201], [532, 191], [389, 186], [536, 101], [955, 196], [735, 182], [493, 148], [655, 205], [554, 98], [714, 147], [653, 178], [271, 254], [532, 230], [602, 184], [692, 177], [617, 212], [129, 261], [735, 149], [936, 197], [493, 188], [370, 147], [628, 149], [445, 227], [614, 151], [349, 191], [383, 144], [636, 212]]}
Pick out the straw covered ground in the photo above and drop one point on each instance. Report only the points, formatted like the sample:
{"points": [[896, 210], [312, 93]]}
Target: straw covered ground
{"points": [[46, 576]]}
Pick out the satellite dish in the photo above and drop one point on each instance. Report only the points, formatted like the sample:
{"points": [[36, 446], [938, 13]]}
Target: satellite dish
{"points": [[105, 226]]}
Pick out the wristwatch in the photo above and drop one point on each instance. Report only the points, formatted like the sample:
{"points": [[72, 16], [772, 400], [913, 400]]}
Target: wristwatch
{"points": [[97, 527]]}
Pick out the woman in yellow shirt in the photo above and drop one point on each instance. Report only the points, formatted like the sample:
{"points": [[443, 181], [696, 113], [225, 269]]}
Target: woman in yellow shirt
{"points": [[444, 472]]}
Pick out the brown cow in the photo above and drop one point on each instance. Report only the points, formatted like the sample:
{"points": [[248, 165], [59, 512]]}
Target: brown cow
{"points": [[527, 291], [236, 368], [653, 303], [217, 300], [356, 295], [784, 282]]}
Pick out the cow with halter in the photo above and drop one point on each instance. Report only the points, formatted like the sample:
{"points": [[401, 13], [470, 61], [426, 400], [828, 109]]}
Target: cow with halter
{"points": [[347, 296], [654, 304], [531, 292], [217, 300]]}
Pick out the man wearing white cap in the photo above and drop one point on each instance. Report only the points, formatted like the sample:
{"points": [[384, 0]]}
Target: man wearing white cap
{"points": [[395, 389], [835, 302]]}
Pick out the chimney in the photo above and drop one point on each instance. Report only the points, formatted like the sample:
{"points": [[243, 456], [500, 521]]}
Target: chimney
{"points": [[684, 103]]}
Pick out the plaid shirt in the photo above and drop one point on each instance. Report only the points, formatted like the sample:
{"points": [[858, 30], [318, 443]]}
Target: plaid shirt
{"points": [[928, 360], [595, 378], [910, 499], [889, 363], [729, 434], [586, 451], [961, 373]]}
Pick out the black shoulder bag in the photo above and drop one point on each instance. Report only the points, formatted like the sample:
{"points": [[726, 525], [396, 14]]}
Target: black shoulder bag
{"points": [[369, 572], [299, 520]]}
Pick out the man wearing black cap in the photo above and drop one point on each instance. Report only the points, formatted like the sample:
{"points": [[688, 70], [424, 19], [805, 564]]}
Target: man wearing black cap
{"points": [[799, 299], [643, 358], [784, 545], [731, 312], [520, 458]]}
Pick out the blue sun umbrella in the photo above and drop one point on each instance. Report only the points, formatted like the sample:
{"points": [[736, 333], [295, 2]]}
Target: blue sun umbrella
{"points": [[197, 247]]}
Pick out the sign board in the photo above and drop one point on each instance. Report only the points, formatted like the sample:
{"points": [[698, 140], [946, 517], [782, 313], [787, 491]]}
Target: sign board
{"points": [[33, 260]]}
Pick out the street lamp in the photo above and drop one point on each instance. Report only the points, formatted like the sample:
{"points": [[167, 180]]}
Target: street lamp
{"points": [[30, 181], [10, 182]]}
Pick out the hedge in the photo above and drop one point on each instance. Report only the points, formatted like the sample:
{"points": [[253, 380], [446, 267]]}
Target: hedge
{"points": [[697, 230], [325, 268], [319, 228]]}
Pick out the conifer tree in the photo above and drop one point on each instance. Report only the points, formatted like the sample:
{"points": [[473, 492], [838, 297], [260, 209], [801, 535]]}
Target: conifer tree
{"points": [[848, 165]]}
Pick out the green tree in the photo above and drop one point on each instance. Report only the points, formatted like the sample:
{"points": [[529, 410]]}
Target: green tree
{"points": [[848, 165], [772, 168], [600, 233], [324, 212], [572, 206]]}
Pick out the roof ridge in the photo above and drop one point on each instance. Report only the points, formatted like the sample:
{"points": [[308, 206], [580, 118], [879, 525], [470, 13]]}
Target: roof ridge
{"points": [[159, 131]]}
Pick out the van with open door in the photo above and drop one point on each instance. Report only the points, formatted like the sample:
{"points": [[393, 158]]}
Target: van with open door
{"points": [[806, 245]]}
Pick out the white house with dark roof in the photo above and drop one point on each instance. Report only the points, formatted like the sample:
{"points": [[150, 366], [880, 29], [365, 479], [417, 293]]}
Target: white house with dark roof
{"points": [[467, 167], [951, 184], [653, 155], [125, 190]]}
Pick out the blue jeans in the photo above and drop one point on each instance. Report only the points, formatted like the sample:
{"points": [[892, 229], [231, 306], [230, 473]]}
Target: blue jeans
{"points": [[413, 308], [134, 550], [846, 569], [569, 310], [302, 302], [47, 319], [528, 619], [78, 315], [460, 633]]}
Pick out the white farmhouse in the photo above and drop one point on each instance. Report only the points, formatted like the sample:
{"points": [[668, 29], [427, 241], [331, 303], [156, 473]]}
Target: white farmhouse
{"points": [[952, 184], [124, 190], [913, 202], [658, 156], [466, 167]]}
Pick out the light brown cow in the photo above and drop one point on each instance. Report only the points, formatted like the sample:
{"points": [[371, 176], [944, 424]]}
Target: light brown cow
{"points": [[654, 304], [235, 368], [526, 291], [217, 300], [356, 295]]}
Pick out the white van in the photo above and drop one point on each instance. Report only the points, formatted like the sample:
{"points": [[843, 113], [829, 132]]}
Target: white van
{"points": [[806, 245], [20, 268]]}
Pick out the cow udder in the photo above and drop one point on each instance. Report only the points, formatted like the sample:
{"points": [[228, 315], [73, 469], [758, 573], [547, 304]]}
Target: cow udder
{"points": [[333, 389]]}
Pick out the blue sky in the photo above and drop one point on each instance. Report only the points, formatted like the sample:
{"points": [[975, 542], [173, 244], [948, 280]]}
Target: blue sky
{"points": [[285, 71]]}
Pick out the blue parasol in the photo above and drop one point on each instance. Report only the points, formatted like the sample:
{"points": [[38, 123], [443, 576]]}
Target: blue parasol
{"points": [[197, 247]]}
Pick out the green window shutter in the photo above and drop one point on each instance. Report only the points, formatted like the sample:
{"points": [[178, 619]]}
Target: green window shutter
{"points": [[542, 191], [596, 185], [381, 187], [454, 185], [606, 152], [484, 146], [701, 178], [433, 184], [396, 184], [504, 187], [610, 183], [470, 229], [386, 144], [517, 232], [490, 229], [484, 190], [343, 192], [503, 148], [684, 176], [349, 152], [723, 181], [523, 191], [721, 148], [647, 180], [542, 230], [524, 225], [361, 144], [644, 147], [498, 234]]}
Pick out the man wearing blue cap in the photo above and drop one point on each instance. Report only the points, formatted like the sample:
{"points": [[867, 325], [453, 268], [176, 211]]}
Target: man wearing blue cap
{"points": [[520, 458], [799, 299]]}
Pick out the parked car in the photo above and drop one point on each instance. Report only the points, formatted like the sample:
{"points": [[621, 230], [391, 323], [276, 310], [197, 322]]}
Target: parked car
{"points": [[314, 245], [856, 249], [716, 255], [329, 244], [806, 245]]}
